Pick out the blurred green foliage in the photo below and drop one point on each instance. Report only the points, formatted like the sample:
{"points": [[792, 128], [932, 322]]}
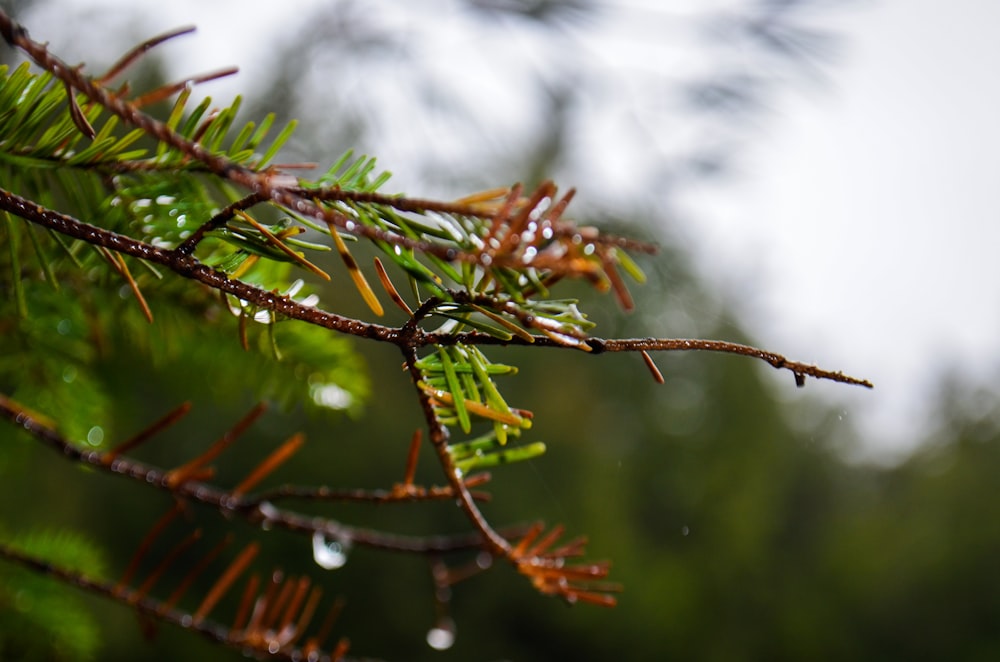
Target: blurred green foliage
{"points": [[42, 620]]}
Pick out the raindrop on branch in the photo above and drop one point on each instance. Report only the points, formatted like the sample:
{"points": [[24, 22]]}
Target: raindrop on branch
{"points": [[330, 554], [442, 635]]}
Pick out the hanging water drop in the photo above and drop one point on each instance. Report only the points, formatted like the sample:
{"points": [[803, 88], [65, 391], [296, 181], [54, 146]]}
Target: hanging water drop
{"points": [[267, 515], [330, 554], [442, 635]]}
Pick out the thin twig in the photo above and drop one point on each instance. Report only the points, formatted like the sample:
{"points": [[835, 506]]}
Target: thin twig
{"points": [[146, 606], [407, 336], [256, 511]]}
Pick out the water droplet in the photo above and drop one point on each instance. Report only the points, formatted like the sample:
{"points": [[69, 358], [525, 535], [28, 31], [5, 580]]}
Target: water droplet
{"points": [[442, 636], [267, 510], [330, 395], [95, 436], [330, 554]]}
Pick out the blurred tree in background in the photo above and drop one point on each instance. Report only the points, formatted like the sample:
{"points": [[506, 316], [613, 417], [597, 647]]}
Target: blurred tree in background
{"points": [[735, 526]]}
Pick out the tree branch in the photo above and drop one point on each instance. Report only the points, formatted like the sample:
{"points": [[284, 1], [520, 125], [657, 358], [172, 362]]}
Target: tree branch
{"points": [[153, 608], [256, 510]]}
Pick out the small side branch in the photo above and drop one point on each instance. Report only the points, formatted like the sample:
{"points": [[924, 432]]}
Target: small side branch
{"points": [[255, 510], [492, 540], [800, 370], [188, 267], [146, 606], [415, 494]]}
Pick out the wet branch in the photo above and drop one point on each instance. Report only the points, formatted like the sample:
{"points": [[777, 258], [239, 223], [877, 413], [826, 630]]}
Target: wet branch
{"points": [[255, 509], [409, 336], [156, 609]]}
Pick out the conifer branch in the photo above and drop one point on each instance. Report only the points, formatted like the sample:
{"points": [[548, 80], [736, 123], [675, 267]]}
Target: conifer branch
{"points": [[255, 508], [481, 268], [157, 610], [180, 263]]}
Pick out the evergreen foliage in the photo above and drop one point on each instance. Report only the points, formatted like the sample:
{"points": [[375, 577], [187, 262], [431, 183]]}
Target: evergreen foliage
{"points": [[180, 241]]}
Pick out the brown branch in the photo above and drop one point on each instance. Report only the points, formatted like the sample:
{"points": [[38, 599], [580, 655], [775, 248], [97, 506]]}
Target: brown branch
{"points": [[259, 512], [602, 345], [777, 361], [188, 267], [492, 540], [412, 494], [144, 605], [409, 336]]}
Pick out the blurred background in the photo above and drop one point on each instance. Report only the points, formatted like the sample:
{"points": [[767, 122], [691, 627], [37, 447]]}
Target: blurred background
{"points": [[819, 174]]}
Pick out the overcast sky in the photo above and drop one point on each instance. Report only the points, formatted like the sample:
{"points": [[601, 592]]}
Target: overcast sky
{"points": [[860, 230], [870, 223]]}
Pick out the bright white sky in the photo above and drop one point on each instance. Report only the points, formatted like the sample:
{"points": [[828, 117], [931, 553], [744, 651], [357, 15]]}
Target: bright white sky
{"points": [[870, 225], [862, 232]]}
